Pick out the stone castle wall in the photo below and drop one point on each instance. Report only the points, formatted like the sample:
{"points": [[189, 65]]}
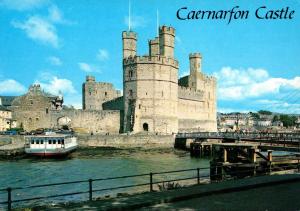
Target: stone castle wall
{"points": [[94, 94], [35, 110]]}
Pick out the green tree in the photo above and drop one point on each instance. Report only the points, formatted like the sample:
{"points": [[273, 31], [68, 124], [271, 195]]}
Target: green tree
{"points": [[287, 120], [275, 118], [263, 112]]}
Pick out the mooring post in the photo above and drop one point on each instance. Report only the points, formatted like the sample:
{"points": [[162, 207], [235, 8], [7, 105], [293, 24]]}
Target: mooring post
{"points": [[90, 189], [9, 199], [198, 176], [151, 181]]}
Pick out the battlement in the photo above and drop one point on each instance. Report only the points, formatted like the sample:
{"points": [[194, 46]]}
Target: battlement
{"points": [[90, 78], [129, 35], [167, 29], [195, 55], [188, 93], [151, 59], [155, 41]]}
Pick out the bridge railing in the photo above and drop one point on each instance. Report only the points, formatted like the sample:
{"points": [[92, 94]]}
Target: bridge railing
{"points": [[235, 135]]}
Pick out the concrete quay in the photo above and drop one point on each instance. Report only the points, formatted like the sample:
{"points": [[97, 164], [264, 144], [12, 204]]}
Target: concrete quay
{"points": [[256, 193]]}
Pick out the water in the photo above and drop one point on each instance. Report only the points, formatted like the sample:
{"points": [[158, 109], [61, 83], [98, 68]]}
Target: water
{"points": [[96, 163]]}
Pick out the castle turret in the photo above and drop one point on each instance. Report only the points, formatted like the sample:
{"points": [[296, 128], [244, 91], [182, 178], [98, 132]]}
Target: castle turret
{"points": [[166, 41], [195, 69], [195, 62], [129, 44], [154, 47]]}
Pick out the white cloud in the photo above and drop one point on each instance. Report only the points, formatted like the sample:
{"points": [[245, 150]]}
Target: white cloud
{"points": [[10, 86], [85, 67], [55, 14], [88, 67], [135, 21], [39, 29], [22, 5], [55, 85], [102, 55], [238, 84], [54, 60]]}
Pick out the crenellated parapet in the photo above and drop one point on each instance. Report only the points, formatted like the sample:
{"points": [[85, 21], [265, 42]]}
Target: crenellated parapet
{"points": [[187, 93], [150, 60]]}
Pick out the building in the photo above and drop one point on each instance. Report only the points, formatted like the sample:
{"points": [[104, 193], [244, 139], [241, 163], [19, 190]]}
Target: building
{"points": [[38, 109], [154, 99], [5, 118]]}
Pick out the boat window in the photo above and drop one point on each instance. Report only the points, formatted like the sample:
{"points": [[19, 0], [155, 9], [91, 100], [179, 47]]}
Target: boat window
{"points": [[32, 141], [42, 142], [54, 141], [58, 141], [50, 142], [37, 142]]}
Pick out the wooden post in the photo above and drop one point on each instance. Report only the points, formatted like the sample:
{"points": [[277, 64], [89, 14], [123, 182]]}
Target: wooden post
{"points": [[225, 155], [270, 157]]}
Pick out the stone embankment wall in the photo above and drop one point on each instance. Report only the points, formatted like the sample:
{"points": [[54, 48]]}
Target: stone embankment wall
{"points": [[11, 143], [11, 146], [127, 141]]}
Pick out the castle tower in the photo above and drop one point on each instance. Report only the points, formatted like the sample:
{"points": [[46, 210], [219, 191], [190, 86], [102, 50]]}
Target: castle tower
{"points": [[129, 44], [151, 88], [94, 94], [166, 41], [154, 47], [195, 69]]}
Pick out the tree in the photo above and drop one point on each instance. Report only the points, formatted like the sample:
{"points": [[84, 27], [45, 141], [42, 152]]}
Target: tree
{"points": [[263, 112], [287, 120], [275, 118], [255, 115]]}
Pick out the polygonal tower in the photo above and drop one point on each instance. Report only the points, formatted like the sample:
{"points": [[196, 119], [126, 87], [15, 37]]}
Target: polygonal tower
{"points": [[129, 39], [195, 69], [166, 41], [151, 87]]}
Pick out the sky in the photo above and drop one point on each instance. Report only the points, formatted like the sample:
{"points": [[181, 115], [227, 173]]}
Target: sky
{"points": [[58, 43]]}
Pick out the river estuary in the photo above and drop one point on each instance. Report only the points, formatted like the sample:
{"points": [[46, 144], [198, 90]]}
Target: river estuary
{"points": [[91, 163]]}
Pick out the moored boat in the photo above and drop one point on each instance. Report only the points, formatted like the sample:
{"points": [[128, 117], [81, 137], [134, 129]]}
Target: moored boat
{"points": [[50, 145]]}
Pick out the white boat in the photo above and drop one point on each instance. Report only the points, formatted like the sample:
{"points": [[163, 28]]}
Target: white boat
{"points": [[50, 145]]}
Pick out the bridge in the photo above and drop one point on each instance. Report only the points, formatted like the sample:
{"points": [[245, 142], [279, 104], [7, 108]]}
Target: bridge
{"points": [[266, 141]]}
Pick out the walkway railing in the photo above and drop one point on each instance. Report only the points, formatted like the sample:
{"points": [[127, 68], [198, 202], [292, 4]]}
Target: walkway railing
{"points": [[199, 174]]}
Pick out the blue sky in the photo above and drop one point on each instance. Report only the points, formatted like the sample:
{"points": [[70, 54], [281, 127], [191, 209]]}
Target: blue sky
{"points": [[58, 43]]}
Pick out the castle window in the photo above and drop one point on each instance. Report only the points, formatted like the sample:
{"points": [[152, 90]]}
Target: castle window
{"points": [[130, 73], [146, 93], [90, 93], [47, 110], [139, 106], [105, 94], [31, 102], [130, 92], [37, 119]]}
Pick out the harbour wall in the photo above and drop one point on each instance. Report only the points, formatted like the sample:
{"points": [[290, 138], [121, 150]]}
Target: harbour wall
{"points": [[116, 141]]}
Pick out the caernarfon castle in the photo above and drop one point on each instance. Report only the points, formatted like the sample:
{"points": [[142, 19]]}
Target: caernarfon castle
{"points": [[154, 100]]}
